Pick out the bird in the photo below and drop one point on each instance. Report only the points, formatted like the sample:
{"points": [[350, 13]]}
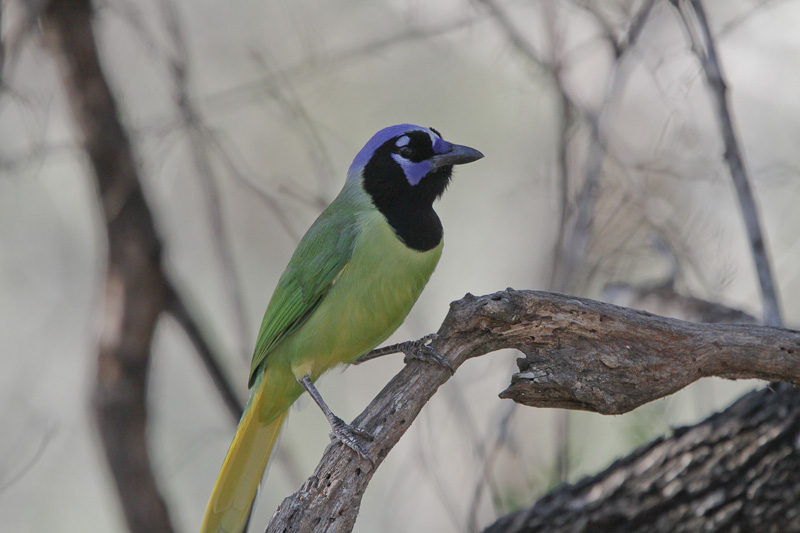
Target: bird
{"points": [[351, 282]]}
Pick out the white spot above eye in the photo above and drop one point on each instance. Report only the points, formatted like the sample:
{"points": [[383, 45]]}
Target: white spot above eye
{"points": [[402, 141]]}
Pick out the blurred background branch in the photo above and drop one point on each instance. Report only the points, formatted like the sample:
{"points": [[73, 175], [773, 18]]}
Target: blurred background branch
{"points": [[135, 286], [694, 17], [571, 267], [195, 333]]}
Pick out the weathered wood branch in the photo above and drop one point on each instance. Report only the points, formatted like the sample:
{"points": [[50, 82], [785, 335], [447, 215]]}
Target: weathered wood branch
{"points": [[579, 354], [737, 471], [582, 354]]}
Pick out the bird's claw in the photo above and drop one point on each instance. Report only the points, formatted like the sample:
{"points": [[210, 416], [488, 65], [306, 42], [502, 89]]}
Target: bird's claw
{"points": [[421, 350], [346, 434]]}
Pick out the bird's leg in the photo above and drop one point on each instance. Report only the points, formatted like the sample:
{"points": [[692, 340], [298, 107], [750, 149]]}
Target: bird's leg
{"points": [[339, 428], [418, 349]]}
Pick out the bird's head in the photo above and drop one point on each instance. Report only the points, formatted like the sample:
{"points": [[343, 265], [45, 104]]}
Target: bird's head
{"points": [[403, 169], [407, 163]]}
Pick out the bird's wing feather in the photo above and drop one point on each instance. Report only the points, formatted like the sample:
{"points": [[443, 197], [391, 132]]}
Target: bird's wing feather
{"points": [[319, 259]]}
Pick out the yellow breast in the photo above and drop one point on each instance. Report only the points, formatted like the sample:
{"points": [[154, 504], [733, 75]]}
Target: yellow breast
{"points": [[370, 299]]}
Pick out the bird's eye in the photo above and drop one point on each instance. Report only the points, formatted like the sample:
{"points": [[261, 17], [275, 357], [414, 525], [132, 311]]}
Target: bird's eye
{"points": [[406, 152]]}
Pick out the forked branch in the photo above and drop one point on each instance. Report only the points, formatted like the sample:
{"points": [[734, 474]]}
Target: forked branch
{"points": [[579, 354]]}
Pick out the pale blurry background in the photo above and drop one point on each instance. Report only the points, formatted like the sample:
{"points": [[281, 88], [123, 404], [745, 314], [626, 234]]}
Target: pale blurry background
{"points": [[278, 97]]}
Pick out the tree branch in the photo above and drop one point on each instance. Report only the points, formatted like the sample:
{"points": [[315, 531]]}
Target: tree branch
{"points": [[179, 310], [197, 135], [664, 299], [580, 354], [706, 52], [135, 286], [592, 356]]}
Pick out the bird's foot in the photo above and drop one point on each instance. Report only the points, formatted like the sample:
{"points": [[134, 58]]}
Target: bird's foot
{"points": [[346, 434], [421, 350]]}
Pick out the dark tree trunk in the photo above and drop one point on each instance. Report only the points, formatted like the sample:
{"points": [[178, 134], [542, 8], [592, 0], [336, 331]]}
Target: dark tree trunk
{"points": [[737, 471], [135, 287]]}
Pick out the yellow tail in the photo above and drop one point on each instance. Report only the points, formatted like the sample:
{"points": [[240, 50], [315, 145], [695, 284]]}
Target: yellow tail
{"points": [[229, 506]]}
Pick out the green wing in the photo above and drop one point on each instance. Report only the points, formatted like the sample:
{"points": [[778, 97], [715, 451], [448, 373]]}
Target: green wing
{"points": [[313, 269]]}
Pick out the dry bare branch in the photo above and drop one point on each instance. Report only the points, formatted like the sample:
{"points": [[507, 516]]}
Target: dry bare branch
{"points": [[580, 354]]}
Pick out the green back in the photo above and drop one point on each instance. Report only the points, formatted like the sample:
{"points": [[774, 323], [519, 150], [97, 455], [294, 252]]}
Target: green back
{"points": [[319, 258]]}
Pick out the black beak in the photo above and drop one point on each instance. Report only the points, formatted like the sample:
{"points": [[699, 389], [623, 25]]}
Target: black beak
{"points": [[458, 155]]}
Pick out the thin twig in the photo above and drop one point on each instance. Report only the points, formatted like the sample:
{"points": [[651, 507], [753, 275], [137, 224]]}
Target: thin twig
{"points": [[706, 51], [572, 243], [244, 93], [198, 143], [179, 310], [489, 455], [283, 93], [233, 164], [571, 254], [19, 470]]}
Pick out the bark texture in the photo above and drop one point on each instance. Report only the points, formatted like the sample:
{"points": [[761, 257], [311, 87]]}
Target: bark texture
{"points": [[738, 471], [580, 354], [588, 355]]}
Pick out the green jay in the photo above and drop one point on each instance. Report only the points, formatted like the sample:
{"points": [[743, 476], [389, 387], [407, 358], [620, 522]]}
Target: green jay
{"points": [[351, 282]]}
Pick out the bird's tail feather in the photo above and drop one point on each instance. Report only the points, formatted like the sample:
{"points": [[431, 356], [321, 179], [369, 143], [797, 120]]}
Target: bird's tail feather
{"points": [[228, 508]]}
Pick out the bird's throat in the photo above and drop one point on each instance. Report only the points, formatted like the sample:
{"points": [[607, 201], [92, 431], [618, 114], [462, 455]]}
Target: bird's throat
{"points": [[419, 228]]}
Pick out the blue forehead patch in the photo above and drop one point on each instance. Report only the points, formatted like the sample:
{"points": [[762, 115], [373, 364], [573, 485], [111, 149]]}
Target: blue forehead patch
{"points": [[441, 146], [377, 140]]}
